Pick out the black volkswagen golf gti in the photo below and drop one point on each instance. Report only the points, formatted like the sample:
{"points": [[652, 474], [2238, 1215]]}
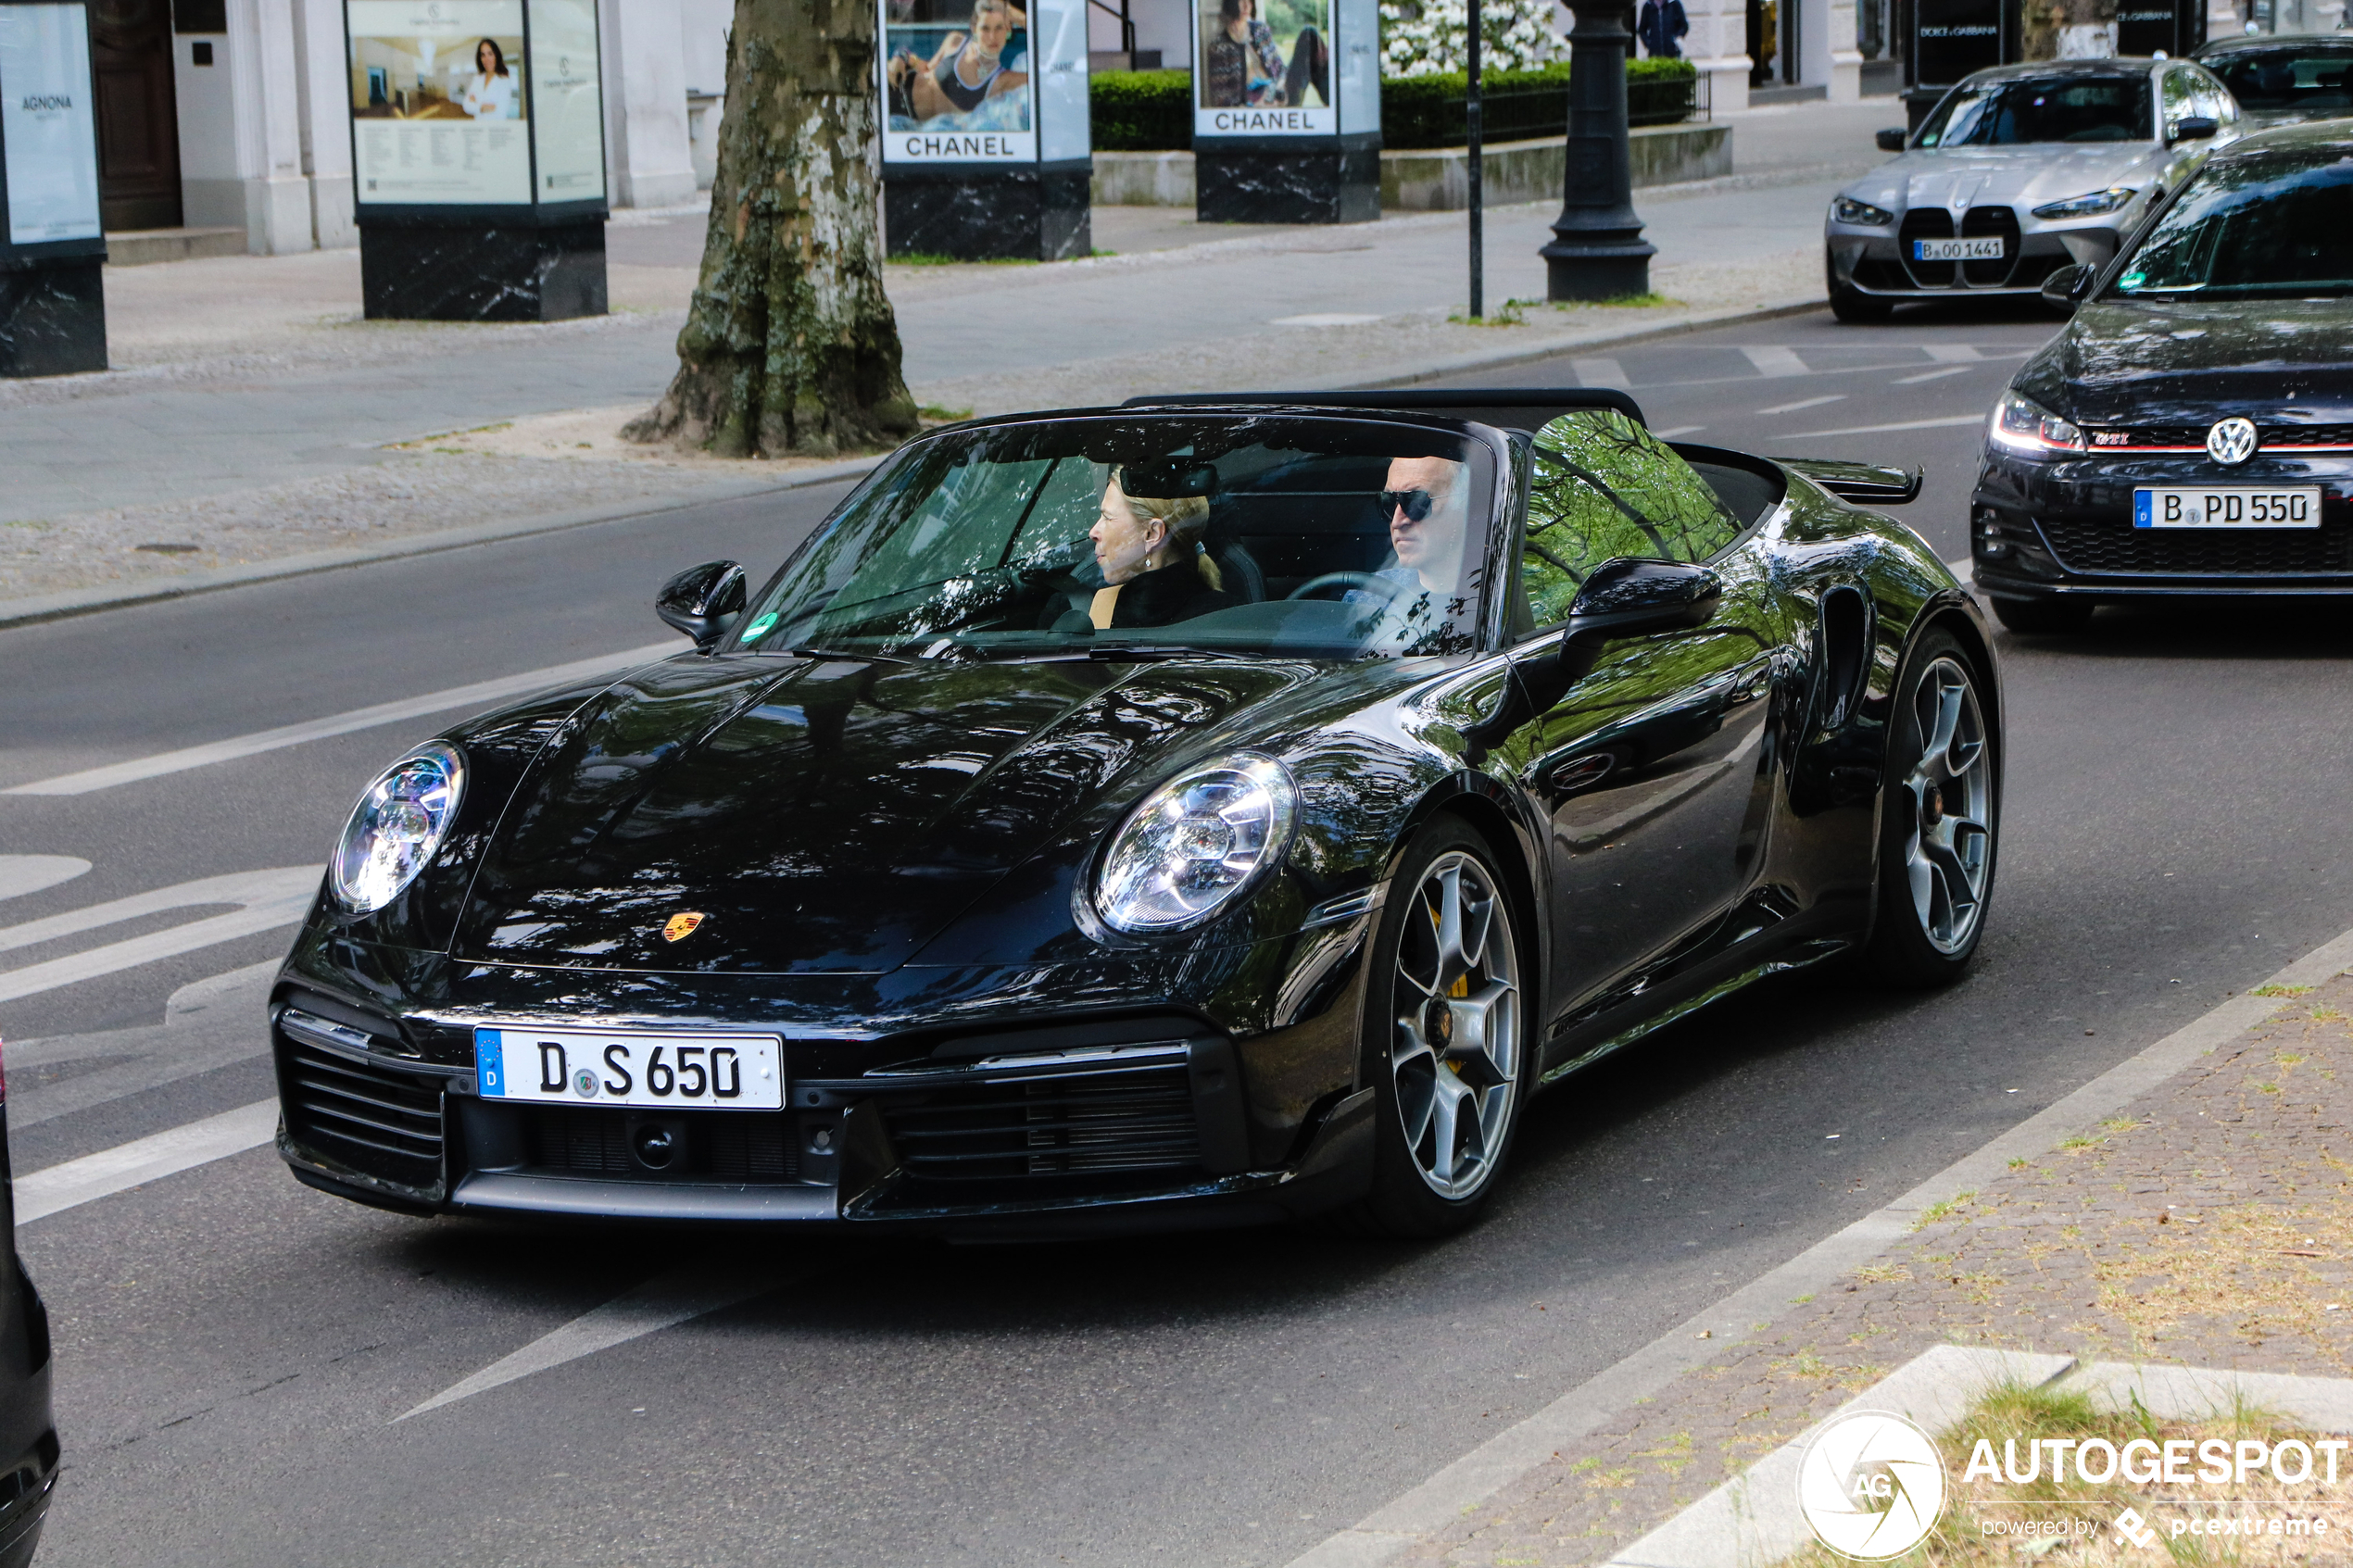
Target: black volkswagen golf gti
{"points": [[2191, 430], [1190, 814]]}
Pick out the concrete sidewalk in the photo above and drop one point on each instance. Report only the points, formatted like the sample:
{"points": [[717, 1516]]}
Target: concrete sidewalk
{"points": [[2207, 1223], [252, 413]]}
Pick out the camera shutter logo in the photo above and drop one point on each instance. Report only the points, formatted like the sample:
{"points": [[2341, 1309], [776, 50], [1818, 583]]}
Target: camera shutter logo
{"points": [[1871, 1485], [2231, 441]]}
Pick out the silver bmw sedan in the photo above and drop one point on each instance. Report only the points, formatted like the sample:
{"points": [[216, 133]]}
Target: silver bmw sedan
{"points": [[2019, 171]]}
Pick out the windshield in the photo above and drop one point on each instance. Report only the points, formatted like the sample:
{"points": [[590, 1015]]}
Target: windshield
{"points": [[2309, 78], [2253, 225], [1148, 536], [2058, 108]]}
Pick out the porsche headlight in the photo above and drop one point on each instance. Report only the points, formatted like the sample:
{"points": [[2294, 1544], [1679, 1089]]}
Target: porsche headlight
{"points": [[2090, 206], [1847, 210], [1194, 844], [2023, 426], [396, 827]]}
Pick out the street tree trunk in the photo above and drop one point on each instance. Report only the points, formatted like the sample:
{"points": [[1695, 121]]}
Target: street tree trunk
{"points": [[790, 346]]}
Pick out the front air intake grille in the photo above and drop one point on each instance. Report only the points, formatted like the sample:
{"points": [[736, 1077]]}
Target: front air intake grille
{"points": [[1100, 1123], [379, 1122], [750, 1147], [2193, 437], [1926, 223], [1988, 222], [2119, 549]]}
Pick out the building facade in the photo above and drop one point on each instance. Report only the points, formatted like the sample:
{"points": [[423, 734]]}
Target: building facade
{"points": [[233, 114]]}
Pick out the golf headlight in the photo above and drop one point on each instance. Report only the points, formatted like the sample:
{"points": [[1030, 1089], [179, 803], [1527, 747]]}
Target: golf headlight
{"points": [[1194, 844], [2023, 426], [2090, 206], [396, 827], [1847, 210]]}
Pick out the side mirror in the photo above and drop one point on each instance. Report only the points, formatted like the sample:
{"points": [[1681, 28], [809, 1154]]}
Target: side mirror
{"points": [[1624, 597], [1892, 140], [703, 601], [2194, 128], [1627, 597], [2067, 287]]}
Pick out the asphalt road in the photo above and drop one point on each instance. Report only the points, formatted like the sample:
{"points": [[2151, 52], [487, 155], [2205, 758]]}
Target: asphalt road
{"points": [[234, 1352]]}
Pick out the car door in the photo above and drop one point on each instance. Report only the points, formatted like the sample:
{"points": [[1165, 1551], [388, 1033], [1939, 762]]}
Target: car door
{"points": [[1651, 767]]}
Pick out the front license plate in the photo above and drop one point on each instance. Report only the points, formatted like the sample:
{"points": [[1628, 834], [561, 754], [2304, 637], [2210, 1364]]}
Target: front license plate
{"points": [[1990, 248], [699, 1072], [2182, 506]]}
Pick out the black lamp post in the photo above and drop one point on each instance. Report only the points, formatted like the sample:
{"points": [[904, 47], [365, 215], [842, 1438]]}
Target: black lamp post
{"points": [[1598, 251]]}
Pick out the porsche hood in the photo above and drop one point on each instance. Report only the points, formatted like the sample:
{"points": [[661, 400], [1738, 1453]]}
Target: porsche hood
{"points": [[819, 816]]}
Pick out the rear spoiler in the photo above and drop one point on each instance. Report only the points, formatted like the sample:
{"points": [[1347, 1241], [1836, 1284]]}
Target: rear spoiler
{"points": [[1509, 408], [1869, 485]]}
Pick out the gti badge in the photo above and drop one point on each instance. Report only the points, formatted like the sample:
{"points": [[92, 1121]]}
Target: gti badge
{"points": [[680, 925], [2231, 441]]}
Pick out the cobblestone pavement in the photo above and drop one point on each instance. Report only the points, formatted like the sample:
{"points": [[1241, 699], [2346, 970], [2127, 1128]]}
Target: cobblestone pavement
{"points": [[2208, 1225]]}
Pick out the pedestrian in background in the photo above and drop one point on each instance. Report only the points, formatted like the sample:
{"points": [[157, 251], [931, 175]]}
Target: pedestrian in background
{"points": [[1661, 28]]}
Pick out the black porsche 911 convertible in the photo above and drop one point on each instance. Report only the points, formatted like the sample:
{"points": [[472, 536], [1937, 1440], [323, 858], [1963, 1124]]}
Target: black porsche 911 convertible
{"points": [[1196, 812]]}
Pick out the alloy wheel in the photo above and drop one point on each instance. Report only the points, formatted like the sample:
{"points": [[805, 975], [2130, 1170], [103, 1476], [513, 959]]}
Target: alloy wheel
{"points": [[1949, 847], [1455, 1058]]}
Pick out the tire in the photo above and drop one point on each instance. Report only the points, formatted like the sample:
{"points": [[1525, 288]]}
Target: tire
{"points": [[1860, 310], [1939, 821], [1446, 1037], [2043, 617]]}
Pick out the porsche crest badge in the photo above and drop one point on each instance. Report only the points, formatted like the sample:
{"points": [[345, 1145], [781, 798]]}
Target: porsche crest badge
{"points": [[680, 925]]}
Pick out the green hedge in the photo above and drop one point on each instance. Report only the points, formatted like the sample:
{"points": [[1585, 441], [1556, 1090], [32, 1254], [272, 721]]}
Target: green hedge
{"points": [[1152, 110], [1141, 111], [1521, 106]]}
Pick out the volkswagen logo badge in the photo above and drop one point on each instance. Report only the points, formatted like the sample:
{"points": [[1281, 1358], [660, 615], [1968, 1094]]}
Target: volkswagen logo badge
{"points": [[2231, 441]]}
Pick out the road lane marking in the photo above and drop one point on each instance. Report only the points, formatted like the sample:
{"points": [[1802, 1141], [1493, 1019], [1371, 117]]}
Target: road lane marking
{"points": [[480, 694], [20, 874], [661, 1302], [1954, 354], [1951, 421], [1775, 361], [1931, 375], [1511, 1453], [208, 1024], [1601, 372], [269, 899], [59, 1187], [1671, 431], [1806, 402]]}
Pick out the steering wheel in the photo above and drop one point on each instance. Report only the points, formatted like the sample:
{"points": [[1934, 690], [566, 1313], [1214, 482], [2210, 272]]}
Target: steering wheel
{"points": [[1389, 588]]}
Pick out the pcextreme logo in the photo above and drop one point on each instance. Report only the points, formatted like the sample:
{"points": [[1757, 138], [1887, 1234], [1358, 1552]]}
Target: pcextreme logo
{"points": [[1871, 1485]]}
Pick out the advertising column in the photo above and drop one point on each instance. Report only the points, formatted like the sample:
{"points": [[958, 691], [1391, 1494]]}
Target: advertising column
{"points": [[53, 311], [2148, 27], [1950, 39], [1286, 111], [478, 158], [985, 146]]}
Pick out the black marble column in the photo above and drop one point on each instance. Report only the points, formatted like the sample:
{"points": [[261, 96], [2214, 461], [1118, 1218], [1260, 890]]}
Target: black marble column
{"points": [[1286, 179], [52, 315], [419, 270], [1598, 251], [990, 212]]}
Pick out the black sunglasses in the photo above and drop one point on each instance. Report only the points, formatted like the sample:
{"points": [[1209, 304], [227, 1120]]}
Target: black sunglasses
{"points": [[1415, 503]]}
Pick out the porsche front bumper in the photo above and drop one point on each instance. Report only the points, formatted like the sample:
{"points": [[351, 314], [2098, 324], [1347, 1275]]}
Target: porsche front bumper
{"points": [[1092, 1118]]}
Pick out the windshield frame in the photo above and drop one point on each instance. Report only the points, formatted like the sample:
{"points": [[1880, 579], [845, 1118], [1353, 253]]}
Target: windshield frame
{"points": [[1940, 115], [2339, 46], [2110, 289], [1489, 450]]}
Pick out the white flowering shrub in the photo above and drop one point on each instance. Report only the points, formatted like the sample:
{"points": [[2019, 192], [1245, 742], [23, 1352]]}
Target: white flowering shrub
{"points": [[1423, 37]]}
